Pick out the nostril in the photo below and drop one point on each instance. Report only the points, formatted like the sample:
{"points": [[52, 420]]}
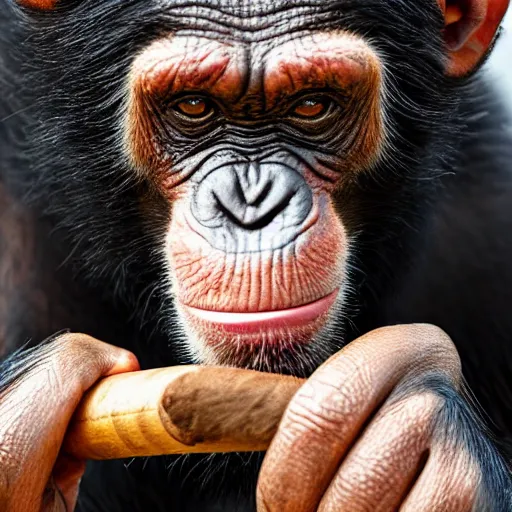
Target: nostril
{"points": [[254, 217]]}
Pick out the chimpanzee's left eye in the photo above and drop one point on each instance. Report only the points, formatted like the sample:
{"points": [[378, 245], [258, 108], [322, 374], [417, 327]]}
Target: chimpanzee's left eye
{"points": [[311, 108]]}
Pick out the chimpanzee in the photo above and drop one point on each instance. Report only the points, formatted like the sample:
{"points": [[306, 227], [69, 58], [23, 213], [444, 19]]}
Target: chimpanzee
{"points": [[320, 188]]}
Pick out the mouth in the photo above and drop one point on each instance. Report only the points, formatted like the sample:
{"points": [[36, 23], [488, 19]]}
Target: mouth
{"points": [[302, 318]]}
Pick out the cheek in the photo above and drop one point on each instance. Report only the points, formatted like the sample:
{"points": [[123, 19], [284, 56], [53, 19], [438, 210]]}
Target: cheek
{"points": [[305, 270]]}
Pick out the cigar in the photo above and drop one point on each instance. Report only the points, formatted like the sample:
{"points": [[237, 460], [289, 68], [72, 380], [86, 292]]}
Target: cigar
{"points": [[186, 409]]}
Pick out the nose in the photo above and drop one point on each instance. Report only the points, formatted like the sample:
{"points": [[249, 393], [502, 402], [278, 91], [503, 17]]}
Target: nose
{"points": [[252, 195], [256, 198]]}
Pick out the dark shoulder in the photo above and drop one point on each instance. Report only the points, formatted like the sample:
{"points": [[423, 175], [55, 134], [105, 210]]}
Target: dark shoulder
{"points": [[460, 277], [463, 258]]}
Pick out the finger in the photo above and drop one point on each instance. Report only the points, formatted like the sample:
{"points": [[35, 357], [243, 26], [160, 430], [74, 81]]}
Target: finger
{"points": [[326, 415], [36, 409], [449, 483], [381, 467]]}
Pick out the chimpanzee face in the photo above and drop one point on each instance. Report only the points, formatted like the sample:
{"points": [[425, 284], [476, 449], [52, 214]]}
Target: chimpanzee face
{"points": [[248, 139], [256, 126]]}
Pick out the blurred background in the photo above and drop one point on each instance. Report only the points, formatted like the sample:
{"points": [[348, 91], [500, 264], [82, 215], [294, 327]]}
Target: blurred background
{"points": [[500, 65]]}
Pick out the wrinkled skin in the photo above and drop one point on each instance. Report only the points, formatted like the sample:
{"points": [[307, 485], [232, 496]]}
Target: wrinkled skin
{"points": [[339, 467], [163, 164], [319, 459], [35, 474]]}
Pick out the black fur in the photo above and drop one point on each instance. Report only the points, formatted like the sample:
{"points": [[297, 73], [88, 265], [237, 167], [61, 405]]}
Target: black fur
{"points": [[433, 220]]}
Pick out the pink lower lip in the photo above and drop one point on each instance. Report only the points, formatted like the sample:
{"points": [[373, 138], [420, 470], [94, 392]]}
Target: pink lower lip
{"points": [[268, 320]]}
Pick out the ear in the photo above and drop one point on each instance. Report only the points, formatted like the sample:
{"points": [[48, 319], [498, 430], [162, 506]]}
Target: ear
{"points": [[42, 5], [470, 29]]}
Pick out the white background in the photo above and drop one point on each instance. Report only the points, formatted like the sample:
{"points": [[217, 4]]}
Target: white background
{"points": [[500, 64]]}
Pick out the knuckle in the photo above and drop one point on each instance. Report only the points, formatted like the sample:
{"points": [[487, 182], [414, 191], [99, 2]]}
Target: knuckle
{"points": [[426, 397], [76, 361], [425, 347], [81, 349], [441, 345], [74, 342], [437, 352], [420, 406], [433, 331]]}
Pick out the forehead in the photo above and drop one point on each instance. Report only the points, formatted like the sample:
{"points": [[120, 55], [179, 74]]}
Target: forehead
{"points": [[251, 20], [247, 8]]}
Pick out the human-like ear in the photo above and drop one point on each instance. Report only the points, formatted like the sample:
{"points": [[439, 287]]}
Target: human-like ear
{"points": [[41, 5], [470, 29]]}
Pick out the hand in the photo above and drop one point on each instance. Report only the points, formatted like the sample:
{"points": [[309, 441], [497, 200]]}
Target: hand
{"points": [[381, 427], [39, 391]]}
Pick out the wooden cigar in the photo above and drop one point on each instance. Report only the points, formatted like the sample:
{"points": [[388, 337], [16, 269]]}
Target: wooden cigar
{"points": [[188, 409]]}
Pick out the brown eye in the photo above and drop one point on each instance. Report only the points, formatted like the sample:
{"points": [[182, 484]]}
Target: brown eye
{"points": [[194, 107], [310, 108]]}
